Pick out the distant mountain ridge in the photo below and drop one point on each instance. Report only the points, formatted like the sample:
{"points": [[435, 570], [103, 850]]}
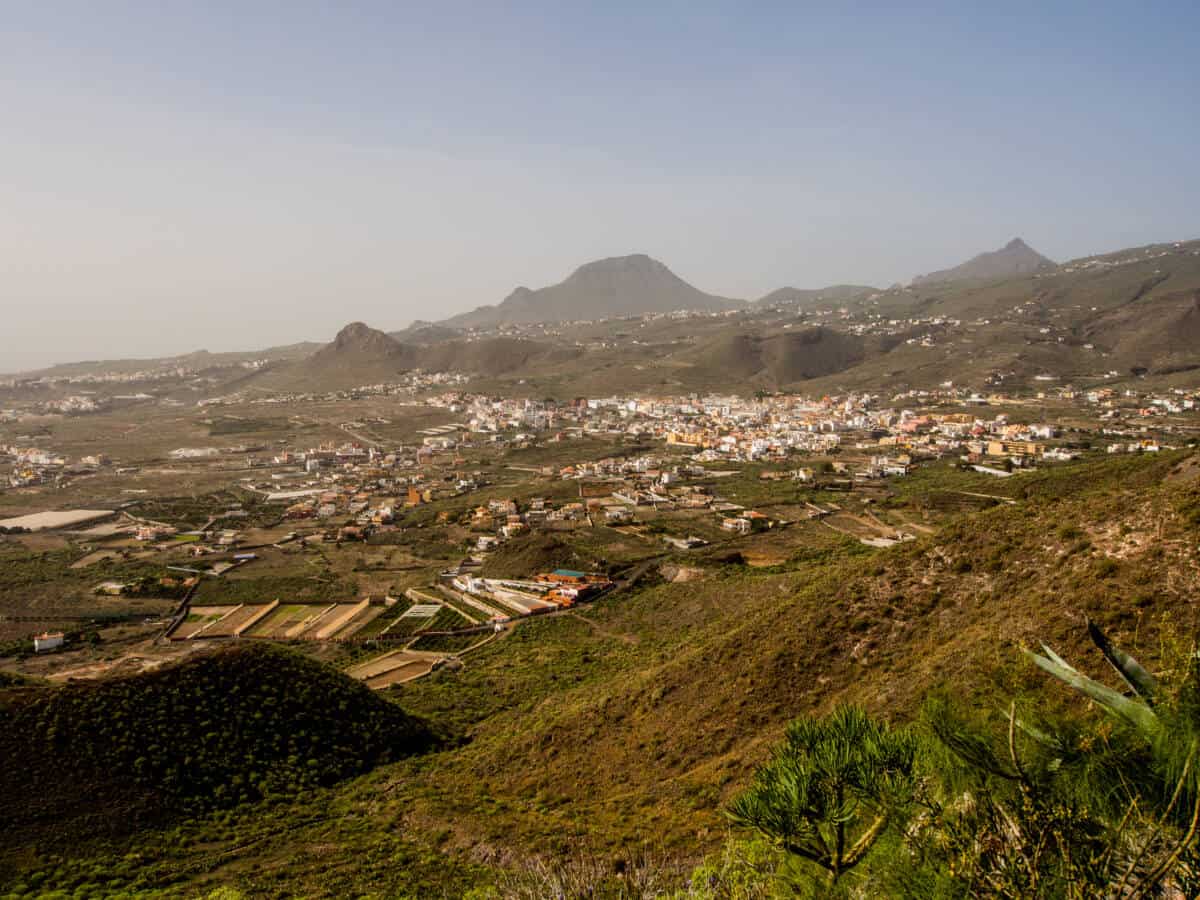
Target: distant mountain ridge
{"points": [[361, 355], [1134, 310], [835, 293], [617, 286], [1014, 258]]}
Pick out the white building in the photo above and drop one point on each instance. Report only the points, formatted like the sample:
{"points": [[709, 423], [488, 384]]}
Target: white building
{"points": [[47, 641]]}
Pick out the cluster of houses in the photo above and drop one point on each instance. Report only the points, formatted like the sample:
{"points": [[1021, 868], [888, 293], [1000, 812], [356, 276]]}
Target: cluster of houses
{"points": [[545, 592], [32, 466], [738, 429]]}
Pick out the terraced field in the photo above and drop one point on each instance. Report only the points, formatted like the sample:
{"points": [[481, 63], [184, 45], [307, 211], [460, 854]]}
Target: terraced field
{"points": [[382, 623], [289, 619], [199, 618], [356, 626], [395, 667], [229, 625]]}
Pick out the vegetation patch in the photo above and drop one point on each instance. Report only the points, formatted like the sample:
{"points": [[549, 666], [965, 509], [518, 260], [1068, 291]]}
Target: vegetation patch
{"points": [[227, 727]]}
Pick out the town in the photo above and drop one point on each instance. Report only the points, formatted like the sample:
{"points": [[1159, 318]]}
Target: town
{"points": [[487, 510]]}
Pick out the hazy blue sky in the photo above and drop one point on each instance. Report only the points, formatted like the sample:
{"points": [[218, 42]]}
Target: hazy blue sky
{"points": [[231, 175]]}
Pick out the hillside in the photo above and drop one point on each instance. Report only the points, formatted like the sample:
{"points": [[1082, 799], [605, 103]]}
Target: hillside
{"points": [[1014, 258], [421, 332], [802, 298], [222, 728], [618, 286], [357, 355], [728, 660], [781, 359], [1129, 312], [1159, 334], [492, 356], [199, 361], [625, 726]]}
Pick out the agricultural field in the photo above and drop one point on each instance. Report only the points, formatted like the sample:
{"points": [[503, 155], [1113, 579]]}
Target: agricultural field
{"points": [[288, 616], [199, 619]]}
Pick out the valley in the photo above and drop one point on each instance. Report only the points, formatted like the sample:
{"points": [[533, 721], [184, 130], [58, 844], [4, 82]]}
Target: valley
{"points": [[573, 581]]}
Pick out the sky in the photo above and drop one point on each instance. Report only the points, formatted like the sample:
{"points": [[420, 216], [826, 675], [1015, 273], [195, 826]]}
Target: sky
{"points": [[237, 175]]}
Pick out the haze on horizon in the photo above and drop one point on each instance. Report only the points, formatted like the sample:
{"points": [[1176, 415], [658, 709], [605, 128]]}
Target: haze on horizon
{"points": [[233, 176]]}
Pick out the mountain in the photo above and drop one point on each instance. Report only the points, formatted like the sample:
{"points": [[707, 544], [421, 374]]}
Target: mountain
{"points": [[618, 286], [1014, 258], [361, 341], [802, 297], [358, 355], [1131, 311]]}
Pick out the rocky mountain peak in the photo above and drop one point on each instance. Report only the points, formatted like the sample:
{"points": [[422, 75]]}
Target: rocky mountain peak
{"points": [[361, 338], [1014, 258]]}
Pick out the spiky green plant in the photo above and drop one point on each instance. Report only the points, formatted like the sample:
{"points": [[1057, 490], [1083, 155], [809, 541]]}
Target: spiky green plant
{"points": [[1137, 710], [1170, 728], [833, 788]]}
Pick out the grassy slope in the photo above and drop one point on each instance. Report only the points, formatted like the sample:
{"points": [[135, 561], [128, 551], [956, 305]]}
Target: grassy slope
{"points": [[683, 686], [631, 721]]}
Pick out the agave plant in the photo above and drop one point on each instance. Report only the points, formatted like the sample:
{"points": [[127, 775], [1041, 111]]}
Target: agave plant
{"points": [[1137, 710], [1170, 816]]}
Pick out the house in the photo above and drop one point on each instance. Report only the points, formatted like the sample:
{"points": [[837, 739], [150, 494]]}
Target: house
{"points": [[502, 509], [48, 640], [153, 532], [747, 522], [1015, 448], [512, 529]]}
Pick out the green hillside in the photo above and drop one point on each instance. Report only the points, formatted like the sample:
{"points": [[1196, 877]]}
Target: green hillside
{"points": [[241, 725]]}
